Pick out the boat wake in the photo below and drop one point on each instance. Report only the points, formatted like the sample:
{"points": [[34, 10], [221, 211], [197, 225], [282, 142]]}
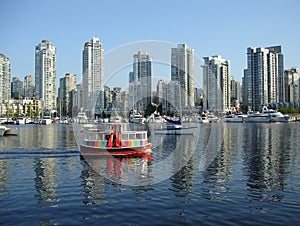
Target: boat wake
{"points": [[43, 153]]}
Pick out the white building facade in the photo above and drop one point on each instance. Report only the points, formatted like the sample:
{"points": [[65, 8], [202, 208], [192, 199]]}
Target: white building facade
{"points": [[216, 84], [182, 71], [292, 85], [264, 77], [5, 79], [93, 77], [67, 85], [45, 74], [169, 97], [28, 87], [140, 82]]}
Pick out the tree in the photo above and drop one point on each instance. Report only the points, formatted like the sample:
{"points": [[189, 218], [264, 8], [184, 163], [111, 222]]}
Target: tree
{"points": [[17, 113], [28, 112], [149, 109], [17, 96]]}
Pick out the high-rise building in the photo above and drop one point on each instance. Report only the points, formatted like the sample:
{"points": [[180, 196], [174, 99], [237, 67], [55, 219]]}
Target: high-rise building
{"points": [[182, 71], [77, 97], [140, 82], [276, 74], [169, 97], [292, 85], [235, 93], [263, 78], [28, 87], [93, 77], [67, 84], [45, 74], [17, 88], [216, 84], [5, 77]]}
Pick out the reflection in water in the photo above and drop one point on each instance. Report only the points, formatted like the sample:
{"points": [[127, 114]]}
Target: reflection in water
{"points": [[45, 182], [122, 170], [93, 184], [4, 178], [171, 154], [251, 173], [266, 159], [184, 164], [39, 136]]}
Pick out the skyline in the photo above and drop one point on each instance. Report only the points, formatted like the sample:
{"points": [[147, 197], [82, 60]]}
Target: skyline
{"points": [[229, 32]]}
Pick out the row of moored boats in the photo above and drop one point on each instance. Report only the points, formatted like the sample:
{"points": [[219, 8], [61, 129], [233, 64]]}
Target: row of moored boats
{"points": [[266, 115]]}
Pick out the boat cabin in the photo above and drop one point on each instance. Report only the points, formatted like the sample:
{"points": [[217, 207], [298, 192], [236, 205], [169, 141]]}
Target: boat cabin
{"points": [[114, 137]]}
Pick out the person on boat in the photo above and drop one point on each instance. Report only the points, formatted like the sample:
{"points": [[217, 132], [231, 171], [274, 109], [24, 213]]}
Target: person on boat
{"points": [[117, 141], [110, 139], [114, 139]]}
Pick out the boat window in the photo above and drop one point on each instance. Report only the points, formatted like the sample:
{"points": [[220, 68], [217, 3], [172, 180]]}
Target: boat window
{"points": [[132, 136], [124, 136], [139, 136]]}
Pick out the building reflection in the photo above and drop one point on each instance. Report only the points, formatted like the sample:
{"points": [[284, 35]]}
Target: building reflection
{"points": [[122, 170], [4, 177], [217, 163], [93, 184], [65, 136], [45, 182], [184, 163], [266, 160], [37, 136]]}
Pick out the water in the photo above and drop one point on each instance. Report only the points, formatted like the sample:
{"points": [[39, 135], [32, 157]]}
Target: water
{"points": [[239, 174]]}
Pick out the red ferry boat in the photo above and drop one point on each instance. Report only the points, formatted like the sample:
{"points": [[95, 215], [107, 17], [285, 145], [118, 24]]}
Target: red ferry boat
{"points": [[115, 141]]}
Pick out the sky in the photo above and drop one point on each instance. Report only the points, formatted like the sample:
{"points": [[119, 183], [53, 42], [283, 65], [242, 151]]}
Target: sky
{"points": [[225, 28]]}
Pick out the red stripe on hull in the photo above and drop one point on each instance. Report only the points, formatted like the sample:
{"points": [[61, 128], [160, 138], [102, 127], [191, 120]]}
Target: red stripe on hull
{"points": [[126, 151]]}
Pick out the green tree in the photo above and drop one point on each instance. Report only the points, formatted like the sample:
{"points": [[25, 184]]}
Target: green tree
{"points": [[17, 113], [17, 96], [28, 112], [149, 109], [37, 113]]}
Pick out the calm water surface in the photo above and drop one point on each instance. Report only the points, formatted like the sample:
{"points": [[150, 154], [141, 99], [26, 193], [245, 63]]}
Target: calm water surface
{"points": [[239, 174]]}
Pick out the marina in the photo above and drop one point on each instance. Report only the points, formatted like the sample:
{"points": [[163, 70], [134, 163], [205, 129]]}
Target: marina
{"points": [[237, 174]]}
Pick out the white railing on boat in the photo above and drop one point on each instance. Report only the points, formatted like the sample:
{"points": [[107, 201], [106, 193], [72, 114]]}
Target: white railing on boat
{"points": [[95, 137]]}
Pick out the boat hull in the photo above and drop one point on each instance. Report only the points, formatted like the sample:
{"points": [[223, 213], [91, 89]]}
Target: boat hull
{"points": [[281, 119], [234, 119], [176, 131], [123, 151], [136, 120], [257, 119], [4, 131]]}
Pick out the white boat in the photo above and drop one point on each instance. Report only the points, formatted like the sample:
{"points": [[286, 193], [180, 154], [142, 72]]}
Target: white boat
{"points": [[136, 117], [46, 120], [4, 130], [37, 120], [155, 118], [279, 117], [175, 130], [28, 121], [20, 121], [234, 118], [115, 119], [174, 127], [276, 116], [212, 118], [3, 120], [257, 117], [81, 118], [203, 118]]}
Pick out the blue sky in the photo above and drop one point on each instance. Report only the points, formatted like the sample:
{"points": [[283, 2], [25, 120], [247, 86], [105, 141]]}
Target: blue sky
{"points": [[225, 28]]}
